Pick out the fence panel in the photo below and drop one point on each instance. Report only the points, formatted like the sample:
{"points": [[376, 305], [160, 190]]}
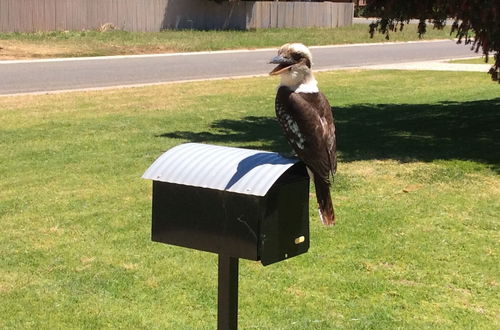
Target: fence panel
{"points": [[154, 15], [15, 9], [4, 15]]}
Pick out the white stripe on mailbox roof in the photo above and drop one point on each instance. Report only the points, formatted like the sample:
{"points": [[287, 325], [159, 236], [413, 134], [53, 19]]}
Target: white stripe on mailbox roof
{"points": [[244, 171]]}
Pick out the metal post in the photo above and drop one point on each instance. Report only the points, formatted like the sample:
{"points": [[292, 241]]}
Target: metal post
{"points": [[227, 316]]}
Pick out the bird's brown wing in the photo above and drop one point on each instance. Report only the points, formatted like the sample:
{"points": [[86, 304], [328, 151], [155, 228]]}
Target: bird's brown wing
{"points": [[326, 112], [307, 122]]}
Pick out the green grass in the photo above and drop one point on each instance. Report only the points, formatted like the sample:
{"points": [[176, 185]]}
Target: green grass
{"points": [[417, 200], [476, 60], [94, 43]]}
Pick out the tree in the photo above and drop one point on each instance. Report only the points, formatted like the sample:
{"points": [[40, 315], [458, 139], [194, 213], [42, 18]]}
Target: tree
{"points": [[475, 22]]}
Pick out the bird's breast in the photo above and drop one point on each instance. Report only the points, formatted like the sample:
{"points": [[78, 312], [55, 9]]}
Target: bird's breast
{"points": [[290, 126]]}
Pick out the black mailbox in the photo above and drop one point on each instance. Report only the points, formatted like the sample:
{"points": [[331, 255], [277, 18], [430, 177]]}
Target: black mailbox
{"points": [[235, 202]]}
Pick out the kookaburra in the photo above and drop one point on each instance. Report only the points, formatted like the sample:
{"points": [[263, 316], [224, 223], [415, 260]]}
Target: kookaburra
{"points": [[307, 121]]}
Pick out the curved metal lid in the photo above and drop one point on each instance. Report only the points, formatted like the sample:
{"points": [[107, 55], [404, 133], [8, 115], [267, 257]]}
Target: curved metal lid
{"points": [[244, 171]]}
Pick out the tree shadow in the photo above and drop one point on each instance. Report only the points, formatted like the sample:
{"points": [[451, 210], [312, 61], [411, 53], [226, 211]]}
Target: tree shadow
{"points": [[244, 132], [404, 132], [205, 15]]}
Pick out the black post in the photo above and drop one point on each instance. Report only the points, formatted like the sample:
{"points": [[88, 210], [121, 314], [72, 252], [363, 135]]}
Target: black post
{"points": [[227, 315]]}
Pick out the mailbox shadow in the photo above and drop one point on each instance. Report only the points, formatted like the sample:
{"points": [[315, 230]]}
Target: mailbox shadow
{"points": [[404, 132]]}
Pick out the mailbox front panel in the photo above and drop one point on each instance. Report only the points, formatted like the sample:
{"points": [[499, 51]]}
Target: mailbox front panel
{"points": [[207, 219], [285, 228]]}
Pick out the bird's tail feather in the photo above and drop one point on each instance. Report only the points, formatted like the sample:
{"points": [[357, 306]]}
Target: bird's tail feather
{"points": [[325, 204]]}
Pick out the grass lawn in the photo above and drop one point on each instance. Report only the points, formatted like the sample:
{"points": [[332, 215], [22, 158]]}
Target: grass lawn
{"points": [[417, 197], [94, 43], [475, 60]]}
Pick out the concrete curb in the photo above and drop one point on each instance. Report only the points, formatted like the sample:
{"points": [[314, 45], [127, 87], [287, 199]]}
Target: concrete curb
{"points": [[431, 66]]}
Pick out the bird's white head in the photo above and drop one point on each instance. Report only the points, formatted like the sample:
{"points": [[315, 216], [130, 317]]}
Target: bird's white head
{"points": [[294, 66]]}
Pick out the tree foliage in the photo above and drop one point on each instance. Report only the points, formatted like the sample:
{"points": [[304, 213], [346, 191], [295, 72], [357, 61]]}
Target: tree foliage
{"points": [[475, 22]]}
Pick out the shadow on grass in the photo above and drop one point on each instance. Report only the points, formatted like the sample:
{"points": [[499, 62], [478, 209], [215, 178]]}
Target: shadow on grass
{"points": [[404, 132], [249, 132]]}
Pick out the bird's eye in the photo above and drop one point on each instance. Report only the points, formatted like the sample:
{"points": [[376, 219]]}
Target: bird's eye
{"points": [[296, 56]]}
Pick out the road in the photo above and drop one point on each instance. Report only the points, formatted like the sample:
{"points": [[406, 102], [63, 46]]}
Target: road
{"points": [[88, 73]]}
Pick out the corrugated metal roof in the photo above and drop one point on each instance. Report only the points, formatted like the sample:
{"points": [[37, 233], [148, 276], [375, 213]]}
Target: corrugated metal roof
{"points": [[244, 171]]}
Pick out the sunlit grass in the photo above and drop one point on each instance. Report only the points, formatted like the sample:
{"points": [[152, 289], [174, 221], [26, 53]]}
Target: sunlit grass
{"points": [[95, 43], [475, 60], [417, 199]]}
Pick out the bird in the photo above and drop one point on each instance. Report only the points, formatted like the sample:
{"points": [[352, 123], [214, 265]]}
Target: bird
{"points": [[306, 118]]}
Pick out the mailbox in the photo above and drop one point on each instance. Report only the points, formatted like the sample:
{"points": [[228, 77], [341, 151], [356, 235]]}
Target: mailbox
{"points": [[236, 202]]}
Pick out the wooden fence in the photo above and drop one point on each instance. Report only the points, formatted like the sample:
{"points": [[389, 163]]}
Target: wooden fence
{"points": [[156, 15], [268, 14]]}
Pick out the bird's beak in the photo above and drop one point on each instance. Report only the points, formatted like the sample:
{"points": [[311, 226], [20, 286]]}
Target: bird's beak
{"points": [[283, 64]]}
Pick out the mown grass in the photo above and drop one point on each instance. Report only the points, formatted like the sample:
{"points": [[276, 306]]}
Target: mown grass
{"points": [[475, 60], [417, 198], [95, 43]]}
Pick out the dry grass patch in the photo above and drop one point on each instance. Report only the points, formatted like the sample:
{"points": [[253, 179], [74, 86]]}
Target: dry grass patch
{"points": [[25, 50]]}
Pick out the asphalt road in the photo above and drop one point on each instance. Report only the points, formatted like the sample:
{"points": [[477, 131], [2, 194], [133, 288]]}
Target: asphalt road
{"points": [[83, 73]]}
